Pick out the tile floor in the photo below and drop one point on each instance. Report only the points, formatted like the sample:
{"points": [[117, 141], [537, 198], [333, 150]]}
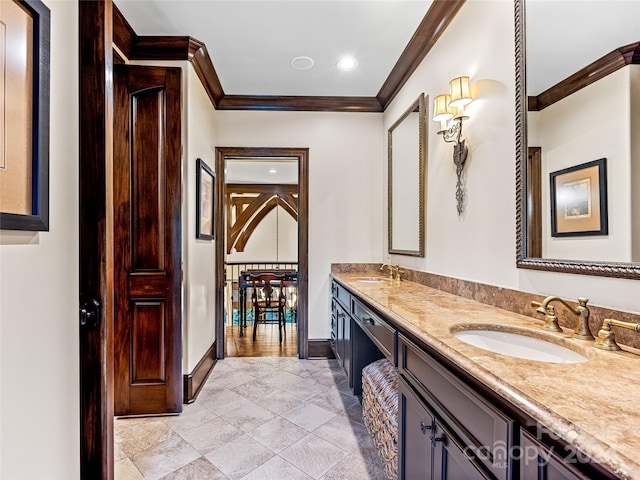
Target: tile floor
{"points": [[267, 418]]}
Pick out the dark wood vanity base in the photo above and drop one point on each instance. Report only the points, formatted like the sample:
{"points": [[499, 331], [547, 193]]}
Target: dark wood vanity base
{"points": [[451, 424]]}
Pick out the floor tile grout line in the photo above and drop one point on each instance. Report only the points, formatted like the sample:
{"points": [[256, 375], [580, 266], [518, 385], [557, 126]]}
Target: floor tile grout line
{"points": [[305, 373]]}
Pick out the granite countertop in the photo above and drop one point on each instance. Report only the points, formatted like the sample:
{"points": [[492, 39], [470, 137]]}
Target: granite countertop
{"points": [[591, 405]]}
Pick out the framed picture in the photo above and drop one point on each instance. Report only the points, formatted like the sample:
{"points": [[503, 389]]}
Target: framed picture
{"points": [[205, 200], [24, 115], [579, 200]]}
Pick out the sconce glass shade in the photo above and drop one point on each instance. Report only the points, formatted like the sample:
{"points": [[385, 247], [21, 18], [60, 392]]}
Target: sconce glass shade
{"points": [[460, 92], [442, 110]]}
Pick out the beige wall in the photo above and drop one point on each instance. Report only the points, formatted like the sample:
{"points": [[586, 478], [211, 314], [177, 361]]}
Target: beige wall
{"points": [[39, 389], [481, 244], [198, 255], [575, 131], [345, 186]]}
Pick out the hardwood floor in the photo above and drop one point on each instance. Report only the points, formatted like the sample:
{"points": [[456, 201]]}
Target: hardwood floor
{"points": [[266, 344]]}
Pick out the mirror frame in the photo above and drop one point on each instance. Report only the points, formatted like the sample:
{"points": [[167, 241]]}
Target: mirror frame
{"points": [[421, 105], [605, 269]]}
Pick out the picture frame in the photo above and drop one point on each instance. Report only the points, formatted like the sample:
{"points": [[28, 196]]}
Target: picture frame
{"points": [[579, 200], [24, 133], [205, 201]]}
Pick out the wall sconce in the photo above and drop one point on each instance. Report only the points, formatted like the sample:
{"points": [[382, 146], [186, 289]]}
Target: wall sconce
{"points": [[450, 106]]}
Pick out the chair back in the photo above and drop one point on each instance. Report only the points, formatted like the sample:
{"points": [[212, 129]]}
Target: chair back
{"points": [[267, 288]]}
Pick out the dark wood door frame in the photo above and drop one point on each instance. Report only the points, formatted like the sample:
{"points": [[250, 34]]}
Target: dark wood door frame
{"points": [[302, 154], [534, 202], [96, 239]]}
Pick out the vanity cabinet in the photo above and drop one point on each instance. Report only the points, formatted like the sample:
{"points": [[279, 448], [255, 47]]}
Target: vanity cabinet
{"points": [[428, 449], [341, 327], [379, 331], [539, 462], [469, 437], [451, 425], [372, 339], [359, 336]]}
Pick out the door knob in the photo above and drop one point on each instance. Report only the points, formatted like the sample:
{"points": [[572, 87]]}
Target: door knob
{"points": [[90, 313]]}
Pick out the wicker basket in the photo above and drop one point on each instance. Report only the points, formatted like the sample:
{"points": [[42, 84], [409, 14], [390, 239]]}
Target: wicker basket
{"points": [[380, 411]]}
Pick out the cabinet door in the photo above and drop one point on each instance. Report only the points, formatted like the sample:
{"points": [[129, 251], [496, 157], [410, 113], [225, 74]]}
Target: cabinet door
{"points": [[450, 460], [414, 436], [346, 344], [334, 327], [538, 462], [340, 320]]}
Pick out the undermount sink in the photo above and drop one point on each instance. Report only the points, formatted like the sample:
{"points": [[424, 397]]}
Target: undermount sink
{"points": [[372, 280], [518, 343]]}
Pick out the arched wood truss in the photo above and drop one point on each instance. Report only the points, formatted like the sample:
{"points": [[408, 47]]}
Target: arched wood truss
{"points": [[249, 204]]}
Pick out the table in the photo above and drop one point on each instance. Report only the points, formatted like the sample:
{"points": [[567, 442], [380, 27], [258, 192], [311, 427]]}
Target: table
{"points": [[244, 282]]}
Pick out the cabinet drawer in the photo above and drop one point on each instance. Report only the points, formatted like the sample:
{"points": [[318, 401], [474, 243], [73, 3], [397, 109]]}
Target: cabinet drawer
{"points": [[486, 431], [342, 294], [377, 329]]}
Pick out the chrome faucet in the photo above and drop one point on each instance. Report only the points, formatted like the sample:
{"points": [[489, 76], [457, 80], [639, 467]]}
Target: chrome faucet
{"points": [[551, 321], [395, 272]]}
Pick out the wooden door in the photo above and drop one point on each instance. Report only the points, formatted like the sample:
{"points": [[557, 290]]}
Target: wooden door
{"points": [[147, 246]]}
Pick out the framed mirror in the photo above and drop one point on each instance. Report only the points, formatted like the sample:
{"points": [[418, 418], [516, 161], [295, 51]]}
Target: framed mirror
{"points": [[407, 144], [576, 94]]}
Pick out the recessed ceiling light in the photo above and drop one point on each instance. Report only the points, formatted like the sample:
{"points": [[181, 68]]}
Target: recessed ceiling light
{"points": [[347, 63], [273, 170], [302, 63]]}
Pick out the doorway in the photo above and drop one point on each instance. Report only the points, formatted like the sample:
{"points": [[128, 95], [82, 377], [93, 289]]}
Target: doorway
{"points": [[244, 200]]}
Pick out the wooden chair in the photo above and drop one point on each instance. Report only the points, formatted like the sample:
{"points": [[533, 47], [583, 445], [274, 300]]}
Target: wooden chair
{"points": [[289, 287], [268, 298]]}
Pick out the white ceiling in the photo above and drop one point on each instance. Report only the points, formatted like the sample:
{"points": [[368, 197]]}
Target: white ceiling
{"points": [[262, 171], [252, 42], [564, 36]]}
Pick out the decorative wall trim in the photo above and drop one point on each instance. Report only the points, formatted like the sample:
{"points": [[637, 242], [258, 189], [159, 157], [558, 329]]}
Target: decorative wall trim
{"points": [[618, 58], [194, 381], [320, 348], [507, 299], [135, 47]]}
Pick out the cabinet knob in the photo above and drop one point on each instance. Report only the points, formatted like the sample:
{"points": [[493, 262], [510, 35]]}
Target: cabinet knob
{"points": [[369, 320], [425, 427], [434, 440]]}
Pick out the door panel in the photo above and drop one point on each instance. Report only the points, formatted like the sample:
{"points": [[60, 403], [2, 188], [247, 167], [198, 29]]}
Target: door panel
{"points": [[147, 251]]}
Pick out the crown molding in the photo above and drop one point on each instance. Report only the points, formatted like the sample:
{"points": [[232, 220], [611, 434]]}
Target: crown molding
{"points": [[434, 23], [134, 47], [609, 63]]}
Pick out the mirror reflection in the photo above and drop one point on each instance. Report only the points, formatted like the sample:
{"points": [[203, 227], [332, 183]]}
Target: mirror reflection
{"points": [[581, 106], [406, 177]]}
